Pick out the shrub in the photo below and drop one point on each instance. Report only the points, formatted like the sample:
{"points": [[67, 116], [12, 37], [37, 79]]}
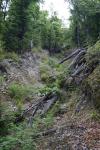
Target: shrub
{"points": [[46, 74], [37, 49], [19, 92], [14, 56], [49, 89], [6, 117], [9, 55], [20, 139], [48, 120], [93, 52]]}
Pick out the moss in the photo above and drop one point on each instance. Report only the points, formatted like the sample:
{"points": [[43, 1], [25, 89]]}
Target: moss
{"points": [[93, 52], [94, 82], [91, 87]]}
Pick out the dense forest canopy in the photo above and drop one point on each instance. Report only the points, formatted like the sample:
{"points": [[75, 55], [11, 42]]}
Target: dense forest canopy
{"points": [[85, 21], [23, 25]]}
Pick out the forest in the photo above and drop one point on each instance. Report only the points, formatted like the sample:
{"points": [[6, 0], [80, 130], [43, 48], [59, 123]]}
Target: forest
{"points": [[49, 76]]}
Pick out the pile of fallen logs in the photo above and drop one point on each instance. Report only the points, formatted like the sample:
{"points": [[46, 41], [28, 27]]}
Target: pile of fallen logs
{"points": [[40, 107], [79, 69]]}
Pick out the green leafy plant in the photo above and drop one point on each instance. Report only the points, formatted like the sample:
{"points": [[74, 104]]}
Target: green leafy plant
{"points": [[20, 138], [9, 55], [49, 89], [46, 73], [95, 115], [19, 92], [6, 117]]}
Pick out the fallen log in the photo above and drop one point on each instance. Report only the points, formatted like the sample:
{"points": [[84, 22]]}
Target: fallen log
{"points": [[49, 104], [77, 59], [38, 102], [43, 109], [30, 120], [43, 105], [78, 71], [71, 55]]}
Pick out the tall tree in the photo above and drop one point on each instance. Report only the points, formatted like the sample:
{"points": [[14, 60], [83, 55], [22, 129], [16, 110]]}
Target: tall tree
{"points": [[15, 36], [85, 21]]}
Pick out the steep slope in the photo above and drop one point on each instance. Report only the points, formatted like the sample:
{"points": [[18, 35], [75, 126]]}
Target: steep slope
{"points": [[72, 122]]}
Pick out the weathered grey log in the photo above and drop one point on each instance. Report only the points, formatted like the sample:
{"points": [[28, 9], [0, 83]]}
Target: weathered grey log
{"points": [[44, 108], [43, 104], [37, 103], [79, 70], [77, 59], [71, 55], [48, 104], [30, 120], [80, 104]]}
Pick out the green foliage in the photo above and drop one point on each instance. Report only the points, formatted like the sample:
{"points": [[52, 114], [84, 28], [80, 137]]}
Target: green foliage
{"points": [[46, 73], [6, 117], [19, 92], [85, 21], [55, 37], [95, 115], [23, 137], [94, 82], [12, 56], [20, 138], [48, 120], [17, 34], [2, 79], [51, 71], [48, 32], [93, 51], [27, 27], [36, 49], [9, 55], [49, 89]]}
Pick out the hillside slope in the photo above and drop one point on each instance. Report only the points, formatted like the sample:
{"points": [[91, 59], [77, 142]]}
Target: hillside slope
{"points": [[71, 122]]}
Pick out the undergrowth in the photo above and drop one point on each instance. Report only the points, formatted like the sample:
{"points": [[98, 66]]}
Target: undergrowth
{"points": [[9, 55], [18, 92]]}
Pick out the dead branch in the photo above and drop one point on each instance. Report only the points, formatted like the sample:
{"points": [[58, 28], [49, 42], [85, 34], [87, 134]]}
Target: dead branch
{"points": [[42, 105], [71, 55], [77, 59]]}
